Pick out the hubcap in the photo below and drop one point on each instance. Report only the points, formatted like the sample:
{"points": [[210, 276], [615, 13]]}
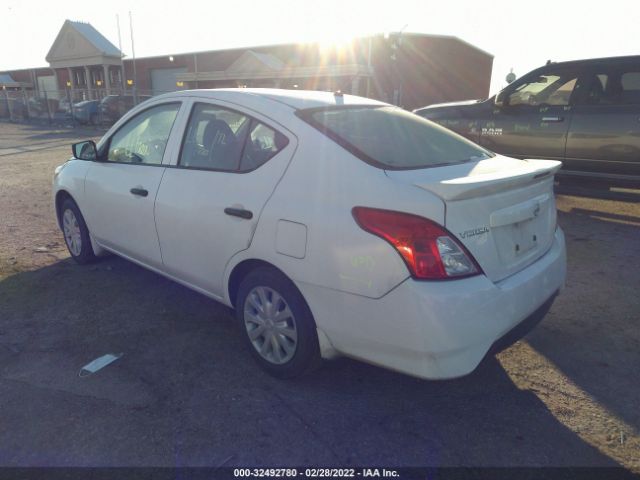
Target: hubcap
{"points": [[71, 230], [270, 325]]}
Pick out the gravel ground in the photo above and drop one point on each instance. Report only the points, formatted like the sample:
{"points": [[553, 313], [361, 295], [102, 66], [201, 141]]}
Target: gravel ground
{"points": [[186, 393]]}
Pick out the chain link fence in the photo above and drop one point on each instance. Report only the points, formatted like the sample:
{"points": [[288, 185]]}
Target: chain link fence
{"points": [[77, 106]]}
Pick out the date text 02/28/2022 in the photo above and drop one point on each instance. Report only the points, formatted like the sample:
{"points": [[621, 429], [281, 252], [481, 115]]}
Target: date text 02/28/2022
{"points": [[315, 473]]}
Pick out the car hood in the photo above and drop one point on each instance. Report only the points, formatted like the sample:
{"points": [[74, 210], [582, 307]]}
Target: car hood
{"points": [[450, 104], [463, 109]]}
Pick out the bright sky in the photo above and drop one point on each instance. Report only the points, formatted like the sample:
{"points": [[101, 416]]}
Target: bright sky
{"points": [[521, 35]]}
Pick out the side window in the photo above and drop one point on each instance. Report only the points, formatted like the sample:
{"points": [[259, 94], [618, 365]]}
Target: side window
{"points": [[262, 144], [630, 82], [143, 139], [614, 88], [221, 139], [548, 89], [214, 138]]}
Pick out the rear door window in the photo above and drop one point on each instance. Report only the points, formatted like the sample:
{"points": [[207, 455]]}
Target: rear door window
{"points": [[391, 138], [225, 140], [630, 91], [614, 86], [262, 144]]}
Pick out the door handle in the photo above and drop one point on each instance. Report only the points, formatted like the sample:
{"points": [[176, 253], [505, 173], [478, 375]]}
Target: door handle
{"points": [[552, 119], [140, 192], [239, 212]]}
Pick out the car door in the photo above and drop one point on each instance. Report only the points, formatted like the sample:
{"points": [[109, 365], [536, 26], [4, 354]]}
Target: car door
{"points": [[209, 202], [120, 188], [604, 137], [534, 116]]}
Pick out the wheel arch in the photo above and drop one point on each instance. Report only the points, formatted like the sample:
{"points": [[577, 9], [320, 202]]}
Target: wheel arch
{"points": [[244, 267], [61, 196], [241, 270]]}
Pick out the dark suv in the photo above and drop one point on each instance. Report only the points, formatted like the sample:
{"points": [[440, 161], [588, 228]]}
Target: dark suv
{"points": [[585, 113]]}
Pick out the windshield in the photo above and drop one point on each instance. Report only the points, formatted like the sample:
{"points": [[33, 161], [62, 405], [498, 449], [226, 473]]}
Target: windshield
{"points": [[392, 138]]}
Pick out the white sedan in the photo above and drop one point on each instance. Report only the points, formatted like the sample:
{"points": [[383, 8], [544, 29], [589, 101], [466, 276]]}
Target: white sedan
{"points": [[333, 224]]}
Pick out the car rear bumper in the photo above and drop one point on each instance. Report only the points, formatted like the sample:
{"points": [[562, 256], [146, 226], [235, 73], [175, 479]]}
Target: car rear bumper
{"points": [[439, 330]]}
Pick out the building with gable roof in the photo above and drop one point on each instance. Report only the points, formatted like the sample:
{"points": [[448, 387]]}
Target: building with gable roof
{"points": [[407, 69], [89, 58]]}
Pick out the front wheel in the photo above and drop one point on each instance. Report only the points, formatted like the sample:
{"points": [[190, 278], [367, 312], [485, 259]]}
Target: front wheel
{"points": [[277, 324], [76, 233]]}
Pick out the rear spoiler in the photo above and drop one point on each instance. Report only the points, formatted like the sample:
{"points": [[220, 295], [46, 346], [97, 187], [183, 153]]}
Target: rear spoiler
{"points": [[480, 182]]}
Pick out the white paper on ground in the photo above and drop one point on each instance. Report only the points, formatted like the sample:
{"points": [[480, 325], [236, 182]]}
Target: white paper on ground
{"points": [[98, 363]]}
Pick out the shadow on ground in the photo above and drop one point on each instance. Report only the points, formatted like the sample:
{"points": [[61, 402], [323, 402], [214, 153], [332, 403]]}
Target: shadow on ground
{"points": [[600, 191], [595, 340], [186, 392], [31, 134]]}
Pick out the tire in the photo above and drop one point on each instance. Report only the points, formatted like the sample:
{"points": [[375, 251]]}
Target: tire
{"points": [[288, 337], [76, 233]]}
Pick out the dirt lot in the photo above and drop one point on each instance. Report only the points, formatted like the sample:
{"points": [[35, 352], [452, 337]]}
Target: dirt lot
{"points": [[186, 393]]}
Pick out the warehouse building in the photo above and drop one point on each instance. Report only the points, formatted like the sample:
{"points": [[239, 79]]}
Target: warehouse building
{"points": [[406, 69]]}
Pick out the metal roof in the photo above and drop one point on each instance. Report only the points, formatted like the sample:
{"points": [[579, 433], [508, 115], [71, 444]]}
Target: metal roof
{"points": [[7, 81], [96, 38]]}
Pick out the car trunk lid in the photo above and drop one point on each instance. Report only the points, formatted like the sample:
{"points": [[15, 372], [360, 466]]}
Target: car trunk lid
{"points": [[501, 209]]}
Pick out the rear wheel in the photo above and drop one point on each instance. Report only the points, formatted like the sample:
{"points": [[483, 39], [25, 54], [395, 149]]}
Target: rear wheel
{"points": [[76, 233], [277, 324]]}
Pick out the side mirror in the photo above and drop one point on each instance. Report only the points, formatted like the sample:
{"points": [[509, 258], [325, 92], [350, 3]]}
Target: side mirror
{"points": [[86, 150], [501, 99]]}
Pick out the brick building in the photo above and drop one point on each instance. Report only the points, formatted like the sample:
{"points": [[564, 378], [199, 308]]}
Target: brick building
{"points": [[408, 69]]}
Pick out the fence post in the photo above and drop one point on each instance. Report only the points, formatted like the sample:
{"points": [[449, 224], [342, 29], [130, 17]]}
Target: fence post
{"points": [[26, 103], [73, 118], [46, 101], [100, 97], [9, 108]]}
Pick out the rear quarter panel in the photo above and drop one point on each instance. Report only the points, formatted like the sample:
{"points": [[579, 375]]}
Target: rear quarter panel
{"points": [[320, 187]]}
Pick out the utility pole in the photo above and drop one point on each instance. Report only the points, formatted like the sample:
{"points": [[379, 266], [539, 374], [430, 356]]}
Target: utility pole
{"points": [[369, 70], [398, 45], [133, 55], [122, 80]]}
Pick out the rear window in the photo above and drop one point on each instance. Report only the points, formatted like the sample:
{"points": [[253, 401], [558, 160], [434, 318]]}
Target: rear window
{"points": [[391, 138]]}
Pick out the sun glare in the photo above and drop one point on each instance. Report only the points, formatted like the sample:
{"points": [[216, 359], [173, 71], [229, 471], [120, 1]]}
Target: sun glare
{"points": [[336, 43], [339, 35]]}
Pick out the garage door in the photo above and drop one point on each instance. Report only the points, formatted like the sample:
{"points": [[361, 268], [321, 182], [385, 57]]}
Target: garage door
{"points": [[164, 79], [48, 84]]}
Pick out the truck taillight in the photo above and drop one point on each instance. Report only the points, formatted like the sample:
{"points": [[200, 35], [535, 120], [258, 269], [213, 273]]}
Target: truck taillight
{"points": [[428, 249]]}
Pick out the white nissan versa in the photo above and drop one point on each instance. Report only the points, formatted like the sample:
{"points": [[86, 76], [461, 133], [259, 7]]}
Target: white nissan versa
{"points": [[333, 224]]}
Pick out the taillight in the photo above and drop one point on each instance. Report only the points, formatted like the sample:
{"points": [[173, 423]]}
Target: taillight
{"points": [[430, 252]]}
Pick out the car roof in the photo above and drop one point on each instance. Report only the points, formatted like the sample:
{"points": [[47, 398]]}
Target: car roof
{"points": [[601, 60], [296, 99]]}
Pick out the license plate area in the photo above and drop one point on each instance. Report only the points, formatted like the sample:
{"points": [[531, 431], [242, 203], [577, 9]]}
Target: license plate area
{"points": [[525, 237], [519, 240]]}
